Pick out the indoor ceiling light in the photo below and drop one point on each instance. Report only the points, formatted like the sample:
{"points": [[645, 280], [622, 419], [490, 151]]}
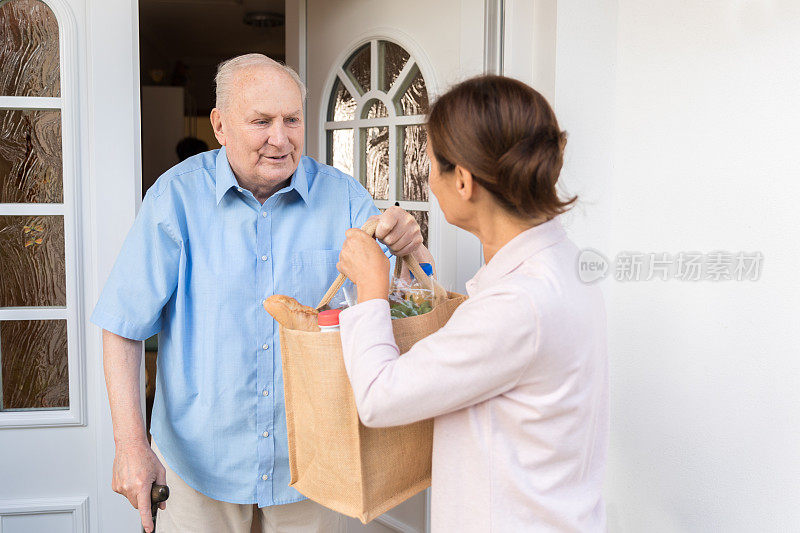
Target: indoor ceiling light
{"points": [[263, 19]]}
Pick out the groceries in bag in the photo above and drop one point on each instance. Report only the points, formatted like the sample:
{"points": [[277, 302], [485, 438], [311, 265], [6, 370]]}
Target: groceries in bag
{"points": [[408, 297], [329, 320]]}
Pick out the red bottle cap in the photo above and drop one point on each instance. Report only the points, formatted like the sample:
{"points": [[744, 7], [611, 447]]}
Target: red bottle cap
{"points": [[329, 318]]}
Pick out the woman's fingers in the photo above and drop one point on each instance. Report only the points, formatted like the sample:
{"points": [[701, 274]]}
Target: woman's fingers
{"points": [[361, 257], [354, 248]]}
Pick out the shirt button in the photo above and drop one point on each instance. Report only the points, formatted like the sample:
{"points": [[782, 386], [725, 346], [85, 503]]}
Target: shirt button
{"points": [[264, 214], [265, 434], [265, 346], [265, 477], [264, 257], [239, 189], [265, 393]]}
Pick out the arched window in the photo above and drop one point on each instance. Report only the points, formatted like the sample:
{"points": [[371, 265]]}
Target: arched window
{"points": [[39, 358], [374, 126]]}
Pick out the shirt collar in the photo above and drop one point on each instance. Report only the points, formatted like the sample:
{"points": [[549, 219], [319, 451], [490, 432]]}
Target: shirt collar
{"points": [[300, 180], [226, 179], [516, 251]]}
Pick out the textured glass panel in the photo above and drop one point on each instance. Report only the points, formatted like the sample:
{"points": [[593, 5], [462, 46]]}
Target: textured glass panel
{"points": [[393, 59], [33, 354], [414, 163], [414, 99], [30, 156], [342, 105], [375, 170], [28, 49], [32, 261], [375, 109], [340, 150], [422, 220], [358, 67]]}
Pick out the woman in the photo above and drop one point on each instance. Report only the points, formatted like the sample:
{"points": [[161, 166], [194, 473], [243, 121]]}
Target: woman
{"points": [[517, 379]]}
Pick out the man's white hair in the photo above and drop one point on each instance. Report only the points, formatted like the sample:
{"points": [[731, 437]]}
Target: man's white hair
{"points": [[227, 70]]}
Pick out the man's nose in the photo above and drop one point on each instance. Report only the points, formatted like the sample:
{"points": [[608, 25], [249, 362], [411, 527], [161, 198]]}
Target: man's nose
{"points": [[278, 135]]}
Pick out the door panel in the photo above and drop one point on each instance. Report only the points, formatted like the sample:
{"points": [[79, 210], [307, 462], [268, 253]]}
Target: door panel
{"points": [[66, 203], [445, 52], [445, 39]]}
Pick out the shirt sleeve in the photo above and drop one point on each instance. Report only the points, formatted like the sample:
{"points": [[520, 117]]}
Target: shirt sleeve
{"points": [[144, 276], [480, 353]]}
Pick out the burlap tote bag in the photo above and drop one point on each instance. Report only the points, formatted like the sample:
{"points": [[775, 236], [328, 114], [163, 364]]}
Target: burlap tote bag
{"points": [[334, 459]]}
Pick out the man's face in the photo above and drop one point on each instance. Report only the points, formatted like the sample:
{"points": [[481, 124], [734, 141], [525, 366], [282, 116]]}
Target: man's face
{"points": [[262, 126]]}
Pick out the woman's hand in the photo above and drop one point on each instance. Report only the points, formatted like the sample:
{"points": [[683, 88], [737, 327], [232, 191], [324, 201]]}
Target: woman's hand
{"points": [[362, 261]]}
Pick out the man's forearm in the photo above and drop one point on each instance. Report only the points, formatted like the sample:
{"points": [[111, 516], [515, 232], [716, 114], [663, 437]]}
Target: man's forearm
{"points": [[122, 360]]}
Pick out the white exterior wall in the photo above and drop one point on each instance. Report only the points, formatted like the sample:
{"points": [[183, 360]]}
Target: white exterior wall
{"points": [[683, 123]]}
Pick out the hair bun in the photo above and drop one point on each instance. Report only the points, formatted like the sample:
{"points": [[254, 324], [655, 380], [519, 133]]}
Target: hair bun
{"points": [[542, 139], [530, 168]]}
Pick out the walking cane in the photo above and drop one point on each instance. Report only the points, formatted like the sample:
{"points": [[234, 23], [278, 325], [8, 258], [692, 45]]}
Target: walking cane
{"points": [[158, 494]]}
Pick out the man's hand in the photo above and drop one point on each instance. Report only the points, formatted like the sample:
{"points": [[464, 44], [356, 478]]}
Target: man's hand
{"points": [[398, 230], [136, 468]]}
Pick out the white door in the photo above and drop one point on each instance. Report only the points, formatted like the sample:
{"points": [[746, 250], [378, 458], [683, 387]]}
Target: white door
{"points": [[372, 68], [68, 191]]}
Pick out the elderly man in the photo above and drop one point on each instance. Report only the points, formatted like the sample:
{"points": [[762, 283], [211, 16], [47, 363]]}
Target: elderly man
{"points": [[216, 235]]}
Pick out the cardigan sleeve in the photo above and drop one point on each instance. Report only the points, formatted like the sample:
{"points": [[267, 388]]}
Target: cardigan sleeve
{"points": [[480, 353]]}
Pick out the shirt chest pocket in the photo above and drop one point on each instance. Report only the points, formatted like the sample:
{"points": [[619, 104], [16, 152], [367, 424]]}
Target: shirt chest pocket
{"points": [[313, 272]]}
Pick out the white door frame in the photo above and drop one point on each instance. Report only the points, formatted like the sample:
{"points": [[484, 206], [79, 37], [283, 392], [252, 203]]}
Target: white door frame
{"points": [[529, 43], [113, 184]]}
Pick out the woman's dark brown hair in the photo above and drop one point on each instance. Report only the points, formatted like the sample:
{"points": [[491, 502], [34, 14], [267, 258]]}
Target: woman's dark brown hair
{"points": [[506, 135]]}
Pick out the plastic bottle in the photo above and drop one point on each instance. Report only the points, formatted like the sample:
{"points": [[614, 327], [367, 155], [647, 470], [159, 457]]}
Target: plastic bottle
{"points": [[329, 320], [428, 269], [345, 297]]}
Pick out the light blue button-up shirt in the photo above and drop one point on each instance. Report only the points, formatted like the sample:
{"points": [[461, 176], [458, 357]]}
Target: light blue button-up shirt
{"points": [[201, 257]]}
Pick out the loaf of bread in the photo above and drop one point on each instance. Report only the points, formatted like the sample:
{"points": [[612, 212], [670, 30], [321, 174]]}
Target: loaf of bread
{"points": [[290, 314]]}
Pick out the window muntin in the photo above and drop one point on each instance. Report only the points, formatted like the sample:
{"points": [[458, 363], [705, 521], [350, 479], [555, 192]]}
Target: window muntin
{"points": [[375, 126]]}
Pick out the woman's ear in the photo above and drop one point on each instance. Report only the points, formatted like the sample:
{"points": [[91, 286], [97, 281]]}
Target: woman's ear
{"points": [[464, 183], [216, 124]]}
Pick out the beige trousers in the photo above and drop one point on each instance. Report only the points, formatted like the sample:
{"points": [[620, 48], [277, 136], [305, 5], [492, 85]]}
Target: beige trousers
{"points": [[188, 511]]}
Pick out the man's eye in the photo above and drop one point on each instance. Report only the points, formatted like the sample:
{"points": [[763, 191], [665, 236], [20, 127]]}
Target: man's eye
{"points": [[292, 120]]}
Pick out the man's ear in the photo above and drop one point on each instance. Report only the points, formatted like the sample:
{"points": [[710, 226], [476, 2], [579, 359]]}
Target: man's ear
{"points": [[216, 124], [464, 183]]}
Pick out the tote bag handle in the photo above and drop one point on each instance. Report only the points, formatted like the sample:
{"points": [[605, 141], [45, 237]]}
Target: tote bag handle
{"points": [[369, 228]]}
